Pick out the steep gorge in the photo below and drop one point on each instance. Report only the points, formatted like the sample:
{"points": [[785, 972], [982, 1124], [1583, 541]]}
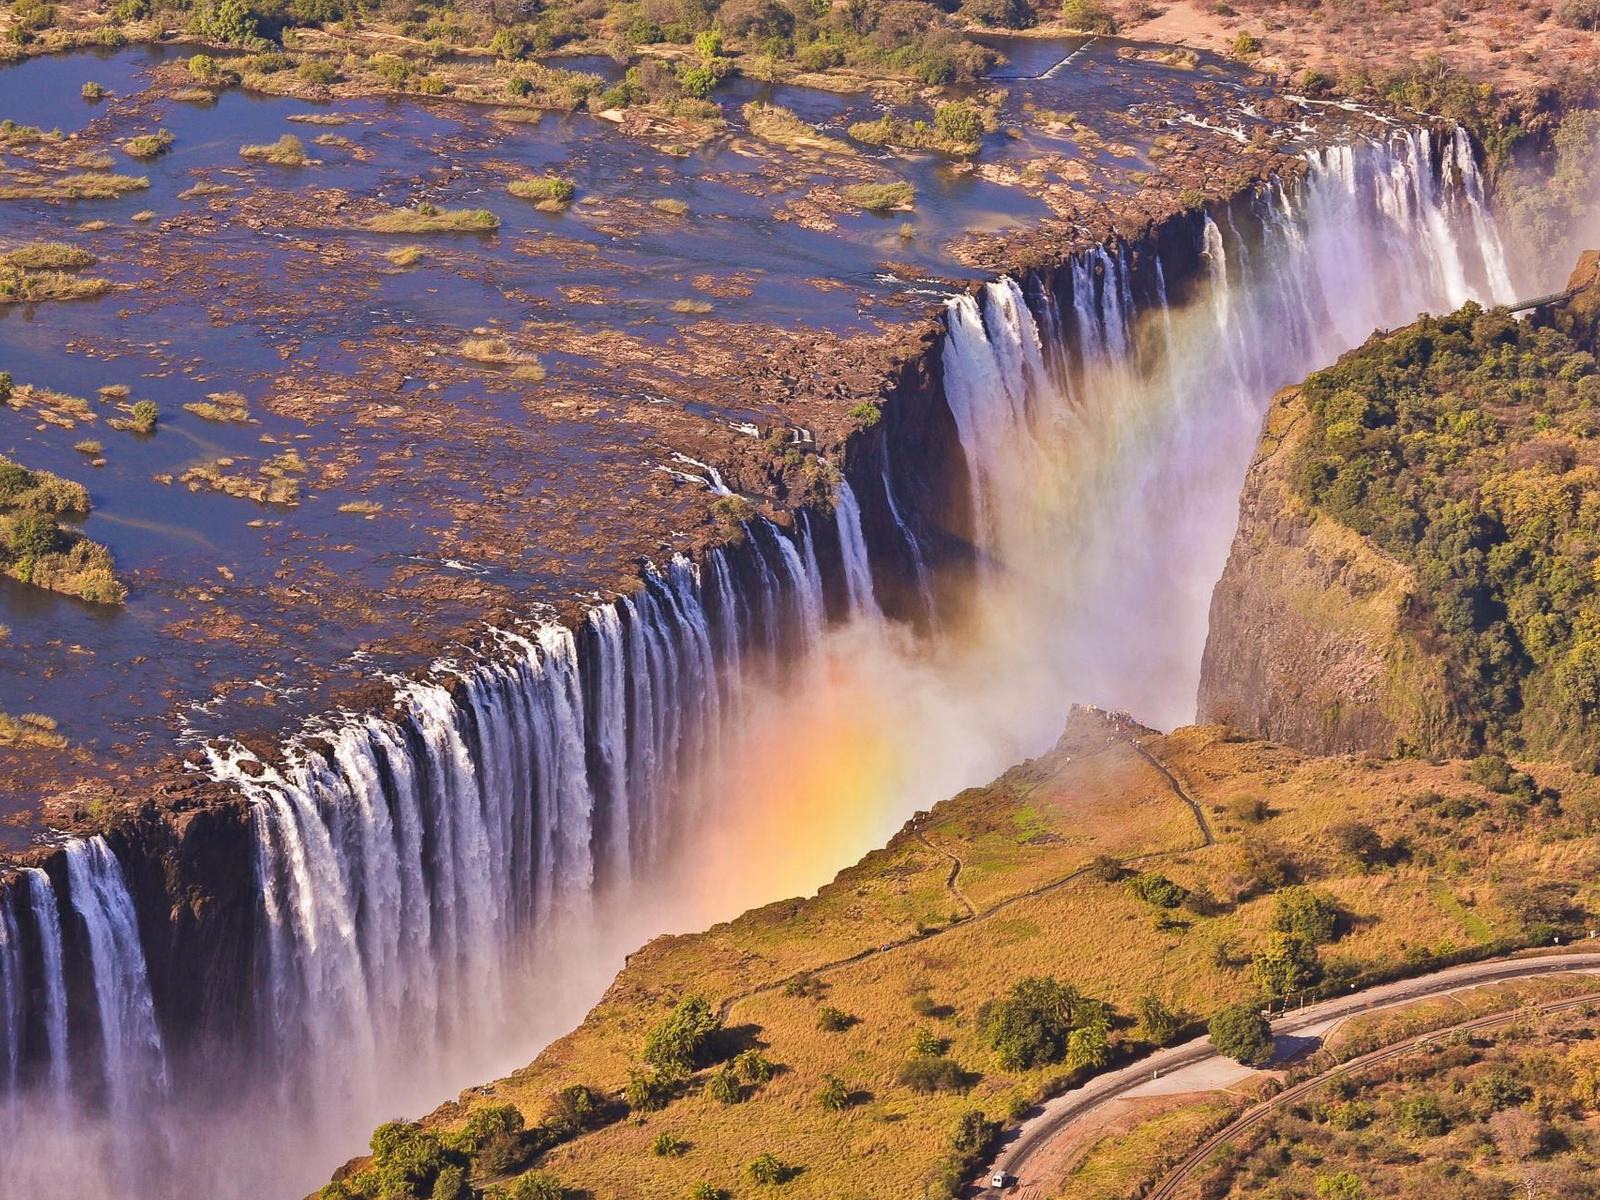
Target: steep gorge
{"points": [[392, 901]]}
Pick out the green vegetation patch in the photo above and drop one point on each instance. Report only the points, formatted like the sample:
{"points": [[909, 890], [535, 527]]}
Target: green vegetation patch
{"points": [[44, 271], [551, 193], [1468, 448], [287, 151], [36, 548], [148, 145], [881, 198]]}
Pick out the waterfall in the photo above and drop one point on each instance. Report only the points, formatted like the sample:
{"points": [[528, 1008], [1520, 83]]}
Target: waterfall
{"points": [[131, 1058], [417, 871], [853, 550], [919, 563], [1107, 495]]}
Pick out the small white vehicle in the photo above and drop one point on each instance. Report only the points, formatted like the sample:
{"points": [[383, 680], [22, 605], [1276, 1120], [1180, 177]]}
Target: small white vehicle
{"points": [[999, 1180]]}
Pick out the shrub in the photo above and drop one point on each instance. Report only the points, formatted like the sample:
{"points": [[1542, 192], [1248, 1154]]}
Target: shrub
{"points": [[723, 1086], [1247, 809], [769, 1170], [205, 68], [1243, 1034], [92, 91], [834, 1020], [866, 414], [754, 1066], [1157, 1021], [1341, 1185], [834, 1096], [679, 1044], [1578, 14], [669, 1145], [708, 43], [931, 1073], [148, 145], [705, 1191], [925, 1043], [1156, 889], [287, 151], [318, 72], [549, 190], [1421, 1116], [648, 1092], [1311, 914], [1246, 45]]}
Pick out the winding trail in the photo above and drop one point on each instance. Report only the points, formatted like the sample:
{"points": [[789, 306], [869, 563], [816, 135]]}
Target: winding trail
{"points": [[950, 881], [1059, 1116]]}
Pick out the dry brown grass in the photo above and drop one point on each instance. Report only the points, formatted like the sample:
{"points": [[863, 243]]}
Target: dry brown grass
{"points": [[1020, 841], [428, 219], [87, 185]]}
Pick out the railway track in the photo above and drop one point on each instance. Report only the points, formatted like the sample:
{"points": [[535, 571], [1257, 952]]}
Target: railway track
{"points": [[1180, 1174]]}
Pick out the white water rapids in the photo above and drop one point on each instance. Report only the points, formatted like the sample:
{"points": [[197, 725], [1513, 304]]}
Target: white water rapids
{"points": [[442, 893]]}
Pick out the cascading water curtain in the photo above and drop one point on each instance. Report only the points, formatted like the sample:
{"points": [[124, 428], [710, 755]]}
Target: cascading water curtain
{"points": [[1106, 435], [413, 871]]}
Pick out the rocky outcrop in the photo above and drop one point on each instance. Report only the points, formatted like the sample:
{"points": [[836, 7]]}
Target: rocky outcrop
{"points": [[1310, 640]]}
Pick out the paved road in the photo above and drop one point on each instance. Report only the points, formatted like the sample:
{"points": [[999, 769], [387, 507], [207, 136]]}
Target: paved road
{"points": [[1196, 1059]]}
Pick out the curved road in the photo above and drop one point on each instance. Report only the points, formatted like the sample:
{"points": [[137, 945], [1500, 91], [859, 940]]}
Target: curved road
{"points": [[1025, 1143]]}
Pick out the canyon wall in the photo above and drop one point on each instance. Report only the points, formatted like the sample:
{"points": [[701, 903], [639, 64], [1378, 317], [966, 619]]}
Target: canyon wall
{"points": [[1309, 642]]}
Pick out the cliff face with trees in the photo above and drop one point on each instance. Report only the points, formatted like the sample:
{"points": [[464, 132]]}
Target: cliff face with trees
{"points": [[1415, 565]]}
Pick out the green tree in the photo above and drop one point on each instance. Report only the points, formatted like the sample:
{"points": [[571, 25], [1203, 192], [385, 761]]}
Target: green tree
{"points": [[1157, 1021], [833, 1020], [959, 122], [1285, 963], [1029, 1026], [1421, 1116], [537, 1185], [1156, 889], [678, 1045], [754, 1066], [1311, 914], [1088, 1048], [649, 1091], [1243, 1034]]}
